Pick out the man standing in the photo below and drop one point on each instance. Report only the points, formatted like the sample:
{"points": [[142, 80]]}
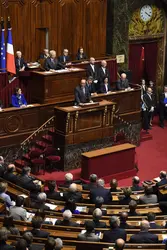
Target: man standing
{"points": [[51, 63], [147, 108], [92, 70], [82, 94], [162, 107], [103, 73], [123, 83], [19, 62]]}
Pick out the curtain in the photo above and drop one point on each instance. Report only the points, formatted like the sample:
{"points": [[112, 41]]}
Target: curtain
{"points": [[113, 69], [150, 56], [136, 62]]}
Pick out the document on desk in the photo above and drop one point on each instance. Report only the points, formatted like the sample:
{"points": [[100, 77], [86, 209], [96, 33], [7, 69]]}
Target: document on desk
{"points": [[52, 206], [30, 216], [53, 220], [24, 196], [81, 209]]}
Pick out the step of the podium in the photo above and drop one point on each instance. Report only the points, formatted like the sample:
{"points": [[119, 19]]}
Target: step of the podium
{"points": [[20, 163], [47, 138], [42, 145], [145, 136], [26, 157]]}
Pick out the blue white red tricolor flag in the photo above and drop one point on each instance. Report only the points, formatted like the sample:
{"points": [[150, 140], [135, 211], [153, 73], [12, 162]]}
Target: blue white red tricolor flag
{"points": [[3, 49], [11, 68]]}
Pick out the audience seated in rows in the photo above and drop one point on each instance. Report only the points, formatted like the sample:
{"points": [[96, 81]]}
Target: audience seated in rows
{"points": [[67, 215], [148, 197], [132, 208], [17, 211], [136, 184], [53, 244], [5, 197], [28, 237], [123, 218], [52, 193], [21, 244], [100, 191], [8, 223], [119, 244], [98, 204], [40, 203], [127, 196], [115, 232], [97, 214], [114, 186], [73, 193], [68, 180], [144, 236], [163, 179], [70, 205], [36, 231], [2, 167], [92, 183], [9, 174], [89, 235], [151, 219], [3, 239]]}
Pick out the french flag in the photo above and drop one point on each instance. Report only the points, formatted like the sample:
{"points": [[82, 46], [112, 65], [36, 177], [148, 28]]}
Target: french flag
{"points": [[11, 68]]}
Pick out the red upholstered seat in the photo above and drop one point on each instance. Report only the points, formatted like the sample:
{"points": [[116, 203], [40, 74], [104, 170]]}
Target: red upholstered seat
{"points": [[53, 158], [37, 160]]}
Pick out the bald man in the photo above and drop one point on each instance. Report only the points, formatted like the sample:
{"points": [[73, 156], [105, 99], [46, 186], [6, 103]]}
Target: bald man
{"points": [[136, 184], [144, 236], [119, 244], [65, 57], [123, 83], [51, 63], [9, 174], [92, 70], [21, 65]]}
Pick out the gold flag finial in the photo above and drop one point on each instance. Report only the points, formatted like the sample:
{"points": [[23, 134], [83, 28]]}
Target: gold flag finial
{"points": [[1, 19], [8, 18]]}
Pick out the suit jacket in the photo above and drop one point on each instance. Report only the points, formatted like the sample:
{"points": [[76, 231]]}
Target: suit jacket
{"points": [[125, 225], [91, 88], [5, 246], [2, 170], [102, 75], [114, 234], [144, 237], [153, 225], [121, 85], [77, 196], [80, 97], [88, 237], [48, 64], [39, 233], [15, 101], [27, 182], [43, 56], [39, 206], [137, 188], [161, 99], [100, 191], [148, 199], [99, 224], [9, 176], [148, 101], [53, 195], [125, 201], [18, 213], [91, 72], [21, 64], [61, 59], [67, 223], [78, 57], [89, 186], [103, 88], [162, 182]]}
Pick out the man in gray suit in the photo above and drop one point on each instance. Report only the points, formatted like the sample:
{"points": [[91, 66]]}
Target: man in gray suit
{"points": [[148, 197], [17, 211], [89, 235], [123, 83]]}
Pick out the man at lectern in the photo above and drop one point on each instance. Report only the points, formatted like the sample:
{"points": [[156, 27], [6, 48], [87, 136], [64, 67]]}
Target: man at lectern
{"points": [[82, 94]]}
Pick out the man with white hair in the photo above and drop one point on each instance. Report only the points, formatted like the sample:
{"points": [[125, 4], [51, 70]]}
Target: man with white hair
{"points": [[68, 180], [115, 232], [19, 62], [135, 184], [97, 214], [65, 57], [73, 193], [103, 73], [100, 191], [92, 70], [123, 83], [163, 180], [67, 215], [51, 63], [144, 236], [40, 204], [9, 174]]}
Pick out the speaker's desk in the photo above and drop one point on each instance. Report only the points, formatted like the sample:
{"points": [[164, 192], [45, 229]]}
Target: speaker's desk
{"points": [[110, 162]]}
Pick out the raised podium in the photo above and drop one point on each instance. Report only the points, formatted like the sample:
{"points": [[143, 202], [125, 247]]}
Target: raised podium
{"points": [[79, 129]]}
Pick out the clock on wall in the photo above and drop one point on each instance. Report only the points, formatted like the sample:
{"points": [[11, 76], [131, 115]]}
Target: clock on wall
{"points": [[146, 13]]}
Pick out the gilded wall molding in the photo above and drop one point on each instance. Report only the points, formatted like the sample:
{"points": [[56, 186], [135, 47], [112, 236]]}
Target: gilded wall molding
{"points": [[6, 3]]}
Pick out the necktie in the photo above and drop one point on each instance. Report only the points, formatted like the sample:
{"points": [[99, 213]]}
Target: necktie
{"points": [[64, 58], [83, 89], [106, 88]]}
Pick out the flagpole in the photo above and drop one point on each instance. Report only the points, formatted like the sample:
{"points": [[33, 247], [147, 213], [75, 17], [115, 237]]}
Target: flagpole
{"points": [[2, 48]]}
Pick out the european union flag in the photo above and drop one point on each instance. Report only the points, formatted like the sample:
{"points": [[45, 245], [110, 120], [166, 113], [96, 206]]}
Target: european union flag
{"points": [[3, 49]]}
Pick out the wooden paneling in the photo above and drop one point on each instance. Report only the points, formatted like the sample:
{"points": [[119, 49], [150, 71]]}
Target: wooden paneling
{"points": [[71, 24]]}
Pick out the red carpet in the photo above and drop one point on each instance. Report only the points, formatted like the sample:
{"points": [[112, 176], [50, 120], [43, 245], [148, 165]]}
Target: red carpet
{"points": [[151, 155]]}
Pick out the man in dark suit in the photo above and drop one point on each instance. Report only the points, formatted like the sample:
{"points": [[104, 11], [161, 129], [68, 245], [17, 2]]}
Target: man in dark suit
{"points": [[92, 183], [148, 108], [132, 208], [114, 186], [163, 178], [36, 231], [98, 204], [135, 184], [89, 235], [92, 70], [100, 191], [119, 244], [82, 94], [2, 166], [123, 83], [51, 63], [52, 193], [126, 198], [103, 72], [73, 194], [105, 87], [9, 174], [3, 238], [162, 107], [40, 203], [21, 65], [45, 54], [123, 218], [91, 86], [67, 215], [97, 214], [65, 57], [151, 219], [28, 237], [115, 232], [144, 236], [26, 181]]}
